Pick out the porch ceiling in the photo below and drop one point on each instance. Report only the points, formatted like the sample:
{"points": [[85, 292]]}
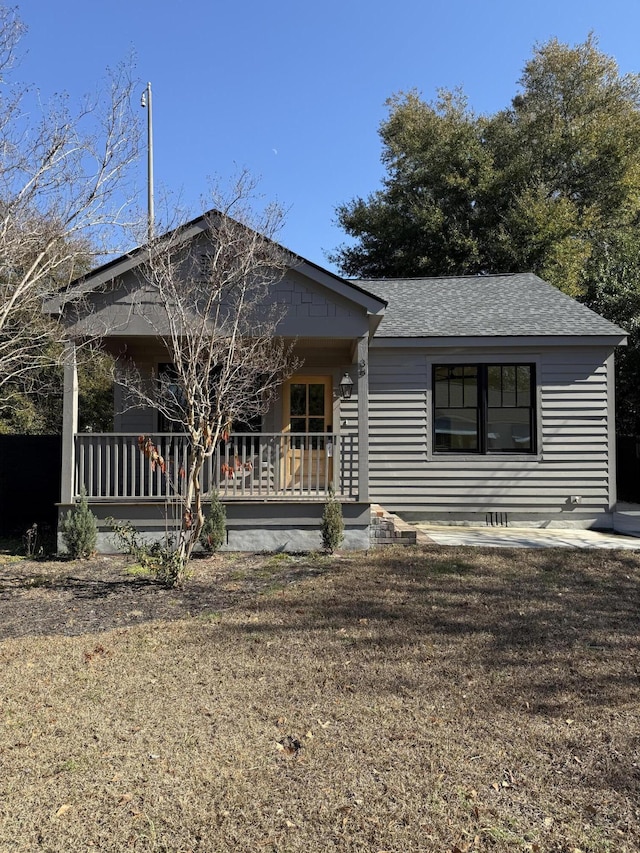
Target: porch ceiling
{"points": [[316, 352], [135, 346], [325, 343]]}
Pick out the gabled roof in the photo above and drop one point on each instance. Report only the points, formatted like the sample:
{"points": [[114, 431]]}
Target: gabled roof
{"points": [[102, 275], [507, 305]]}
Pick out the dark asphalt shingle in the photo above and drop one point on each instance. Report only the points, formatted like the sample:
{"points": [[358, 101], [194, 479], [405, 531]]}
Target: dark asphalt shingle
{"points": [[492, 305]]}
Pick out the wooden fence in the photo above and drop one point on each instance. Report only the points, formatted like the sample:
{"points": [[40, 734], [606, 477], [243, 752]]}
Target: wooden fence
{"points": [[29, 482]]}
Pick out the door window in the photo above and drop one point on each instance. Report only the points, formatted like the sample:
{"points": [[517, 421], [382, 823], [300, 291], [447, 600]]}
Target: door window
{"points": [[307, 414]]}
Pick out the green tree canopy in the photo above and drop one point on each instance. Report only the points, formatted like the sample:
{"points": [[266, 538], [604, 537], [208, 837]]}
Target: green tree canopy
{"points": [[426, 216], [550, 184]]}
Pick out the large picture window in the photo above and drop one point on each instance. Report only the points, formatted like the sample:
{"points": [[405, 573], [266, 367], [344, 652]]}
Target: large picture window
{"points": [[484, 408]]}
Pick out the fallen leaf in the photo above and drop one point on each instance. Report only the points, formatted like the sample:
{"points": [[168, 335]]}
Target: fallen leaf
{"points": [[290, 745]]}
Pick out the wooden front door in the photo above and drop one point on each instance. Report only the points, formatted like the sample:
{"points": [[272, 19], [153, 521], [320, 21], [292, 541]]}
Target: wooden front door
{"points": [[308, 416]]}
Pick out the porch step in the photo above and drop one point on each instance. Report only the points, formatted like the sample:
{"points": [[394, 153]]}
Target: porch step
{"points": [[389, 529]]}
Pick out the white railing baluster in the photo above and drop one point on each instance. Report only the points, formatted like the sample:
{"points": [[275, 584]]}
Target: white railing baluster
{"points": [[110, 466]]}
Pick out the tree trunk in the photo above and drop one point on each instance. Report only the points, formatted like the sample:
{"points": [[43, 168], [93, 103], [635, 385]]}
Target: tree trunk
{"points": [[192, 515]]}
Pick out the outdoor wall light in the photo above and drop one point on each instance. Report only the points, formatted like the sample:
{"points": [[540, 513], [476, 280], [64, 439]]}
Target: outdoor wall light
{"points": [[346, 387]]}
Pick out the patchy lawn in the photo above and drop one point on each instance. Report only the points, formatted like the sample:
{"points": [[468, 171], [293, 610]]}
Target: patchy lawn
{"points": [[424, 699]]}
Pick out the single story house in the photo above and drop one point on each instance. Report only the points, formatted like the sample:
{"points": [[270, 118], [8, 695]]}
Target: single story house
{"points": [[472, 398]]}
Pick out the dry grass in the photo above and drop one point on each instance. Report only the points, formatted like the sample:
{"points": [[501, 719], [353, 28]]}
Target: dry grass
{"points": [[441, 699]]}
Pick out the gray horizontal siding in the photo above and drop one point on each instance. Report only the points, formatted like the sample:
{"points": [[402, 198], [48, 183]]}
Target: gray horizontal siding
{"points": [[573, 455]]}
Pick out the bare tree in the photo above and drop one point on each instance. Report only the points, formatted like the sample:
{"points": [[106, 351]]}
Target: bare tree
{"points": [[62, 192], [210, 301]]}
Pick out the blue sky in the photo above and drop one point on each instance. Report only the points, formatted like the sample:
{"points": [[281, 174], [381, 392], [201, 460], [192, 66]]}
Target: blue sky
{"points": [[295, 91]]}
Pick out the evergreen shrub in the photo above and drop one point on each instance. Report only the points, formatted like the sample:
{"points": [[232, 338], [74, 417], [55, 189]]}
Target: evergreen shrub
{"points": [[214, 530], [79, 530], [332, 523]]}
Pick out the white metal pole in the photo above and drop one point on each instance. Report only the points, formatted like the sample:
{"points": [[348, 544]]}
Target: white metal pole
{"points": [[146, 101]]}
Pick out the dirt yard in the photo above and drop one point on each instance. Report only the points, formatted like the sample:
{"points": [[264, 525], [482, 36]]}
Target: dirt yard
{"points": [[425, 699]]}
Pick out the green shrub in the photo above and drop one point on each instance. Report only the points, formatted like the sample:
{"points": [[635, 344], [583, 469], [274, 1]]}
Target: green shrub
{"points": [[163, 561], [79, 529], [214, 530], [332, 524]]}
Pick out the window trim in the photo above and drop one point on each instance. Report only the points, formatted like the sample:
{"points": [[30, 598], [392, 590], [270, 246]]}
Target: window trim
{"points": [[482, 408]]}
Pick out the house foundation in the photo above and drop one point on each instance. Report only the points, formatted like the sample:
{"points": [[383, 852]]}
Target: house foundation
{"points": [[251, 526]]}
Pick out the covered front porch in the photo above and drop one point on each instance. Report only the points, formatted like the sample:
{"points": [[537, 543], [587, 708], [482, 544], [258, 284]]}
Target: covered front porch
{"points": [[274, 481], [274, 474]]}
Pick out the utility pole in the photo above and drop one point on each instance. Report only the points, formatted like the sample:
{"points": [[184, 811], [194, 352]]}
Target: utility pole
{"points": [[145, 101]]}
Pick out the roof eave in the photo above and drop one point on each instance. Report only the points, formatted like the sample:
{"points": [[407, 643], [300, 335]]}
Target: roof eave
{"points": [[460, 341]]}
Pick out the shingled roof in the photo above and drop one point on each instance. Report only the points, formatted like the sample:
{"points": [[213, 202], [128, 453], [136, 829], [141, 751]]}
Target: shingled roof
{"points": [[508, 305]]}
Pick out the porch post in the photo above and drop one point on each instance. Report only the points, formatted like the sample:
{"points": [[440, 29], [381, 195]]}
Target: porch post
{"points": [[363, 418], [69, 424]]}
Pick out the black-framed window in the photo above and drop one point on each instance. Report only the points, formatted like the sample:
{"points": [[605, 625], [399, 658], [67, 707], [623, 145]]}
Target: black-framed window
{"points": [[484, 408]]}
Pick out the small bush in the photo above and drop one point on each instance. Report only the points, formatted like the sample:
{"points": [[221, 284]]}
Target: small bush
{"points": [[79, 530], [163, 561], [332, 524], [214, 531]]}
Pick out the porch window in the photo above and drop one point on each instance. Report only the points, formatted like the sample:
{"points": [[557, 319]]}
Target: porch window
{"points": [[170, 390], [172, 395], [484, 408]]}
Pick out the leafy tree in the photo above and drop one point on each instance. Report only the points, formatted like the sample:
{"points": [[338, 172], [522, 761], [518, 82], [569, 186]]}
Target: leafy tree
{"points": [[536, 186], [550, 184], [613, 290], [425, 219], [35, 408], [567, 164]]}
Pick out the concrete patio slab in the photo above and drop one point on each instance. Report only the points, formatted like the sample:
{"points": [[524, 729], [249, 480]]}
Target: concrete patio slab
{"points": [[517, 537]]}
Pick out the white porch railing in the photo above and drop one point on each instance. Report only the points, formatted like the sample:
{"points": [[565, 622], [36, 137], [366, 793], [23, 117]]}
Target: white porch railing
{"points": [[111, 466]]}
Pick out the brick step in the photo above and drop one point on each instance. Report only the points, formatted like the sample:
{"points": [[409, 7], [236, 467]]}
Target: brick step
{"points": [[388, 529]]}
